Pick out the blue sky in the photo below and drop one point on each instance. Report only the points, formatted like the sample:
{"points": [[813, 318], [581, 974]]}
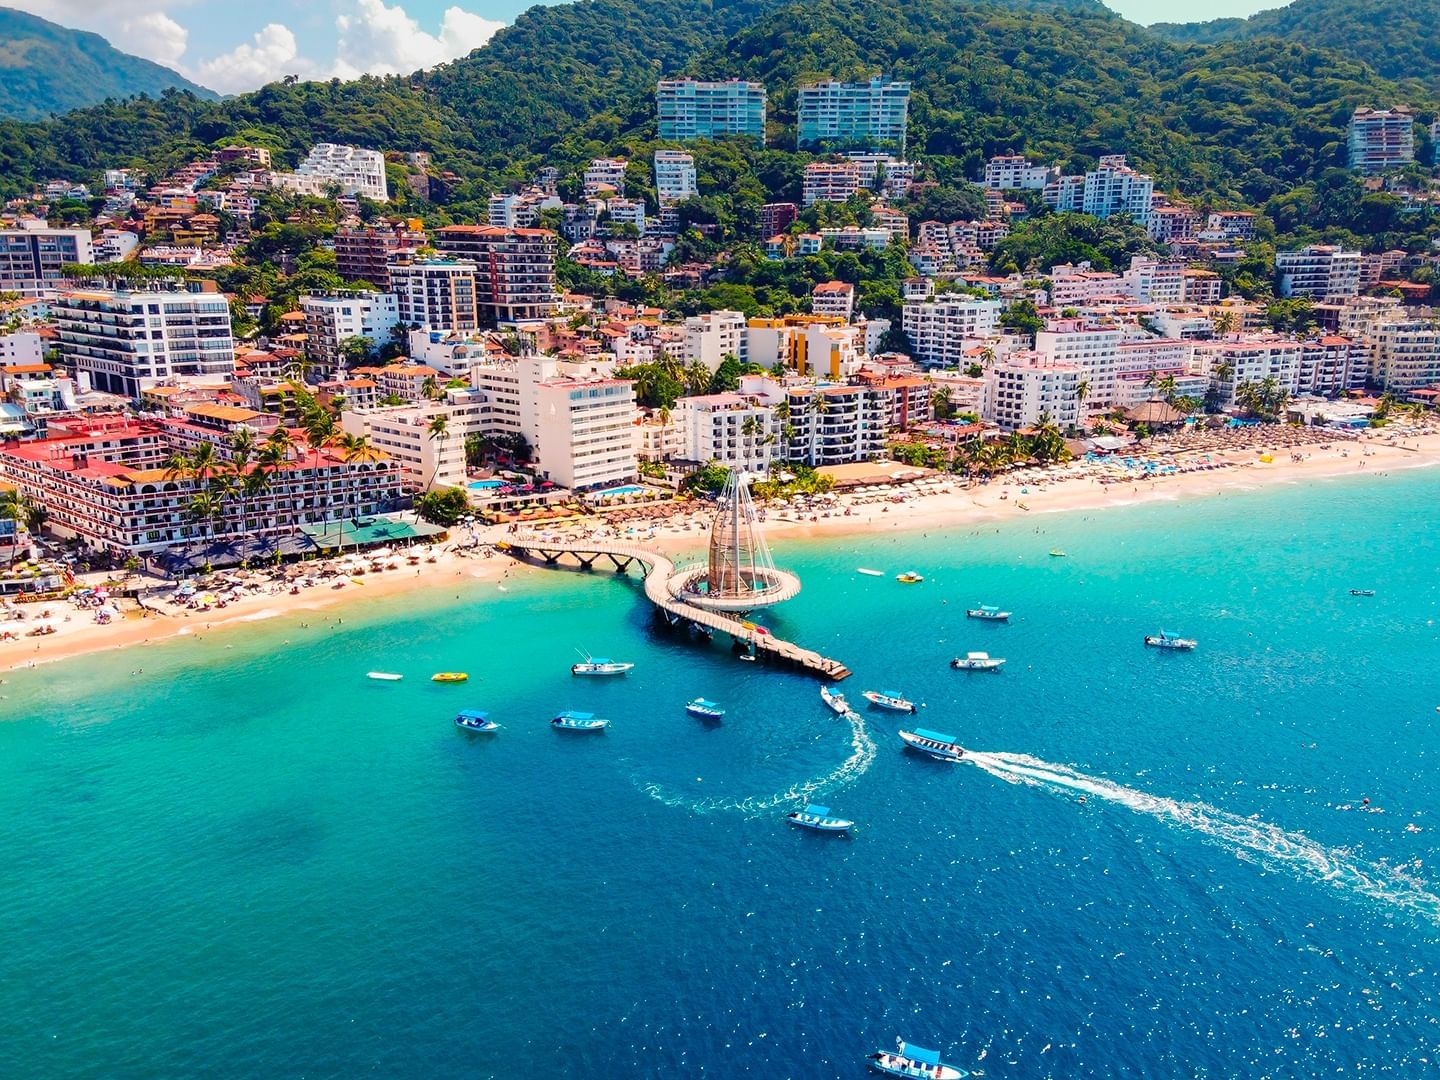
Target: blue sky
{"points": [[232, 47]]}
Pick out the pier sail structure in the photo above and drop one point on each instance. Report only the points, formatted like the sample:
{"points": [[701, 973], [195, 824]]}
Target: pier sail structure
{"points": [[740, 573]]}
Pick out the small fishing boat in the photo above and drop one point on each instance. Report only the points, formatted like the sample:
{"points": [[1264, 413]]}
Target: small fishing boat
{"points": [[910, 577], [988, 612], [449, 676], [596, 665], [1058, 554], [705, 710], [888, 699], [977, 661], [818, 818], [475, 720], [383, 676], [569, 720], [942, 747], [915, 1062], [1167, 640], [835, 700], [868, 572], [1362, 592]]}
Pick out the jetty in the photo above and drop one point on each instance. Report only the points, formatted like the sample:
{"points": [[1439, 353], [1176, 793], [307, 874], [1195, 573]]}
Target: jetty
{"points": [[740, 576]]}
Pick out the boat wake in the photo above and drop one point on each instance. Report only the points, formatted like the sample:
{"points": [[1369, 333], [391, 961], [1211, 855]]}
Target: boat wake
{"points": [[1270, 845], [862, 753]]}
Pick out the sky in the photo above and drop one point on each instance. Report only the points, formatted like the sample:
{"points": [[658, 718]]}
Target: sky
{"points": [[233, 47]]}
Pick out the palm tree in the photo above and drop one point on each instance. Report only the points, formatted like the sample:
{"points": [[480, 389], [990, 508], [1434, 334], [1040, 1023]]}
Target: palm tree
{"points": [[278, 447], [319, 427], [199, 464], [205, 508], [430, 389], [437, 431], [357, 448], [1082, 391], [697, 378], [1225, 322]]}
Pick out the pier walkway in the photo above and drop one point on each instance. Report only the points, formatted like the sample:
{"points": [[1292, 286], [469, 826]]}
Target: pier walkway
{"points": [[659, 569]]}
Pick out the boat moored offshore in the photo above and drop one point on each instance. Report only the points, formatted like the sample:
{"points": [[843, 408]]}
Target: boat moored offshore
{"points": [[449, 676], [570, 720], [914, 1062], [910, 577], [977, 661], [834, 700], [1167, 640], [933, 743], [475, 720], [597, 665], [1362, 592], [888, 699], [383, 676], [818, 818], [988, 612], [705, 710]]}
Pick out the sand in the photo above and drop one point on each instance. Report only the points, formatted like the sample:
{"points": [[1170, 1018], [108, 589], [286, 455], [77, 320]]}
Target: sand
{"points": [[952, 503]]}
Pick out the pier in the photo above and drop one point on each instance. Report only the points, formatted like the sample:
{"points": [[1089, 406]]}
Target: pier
{"points": [[675, 610]]}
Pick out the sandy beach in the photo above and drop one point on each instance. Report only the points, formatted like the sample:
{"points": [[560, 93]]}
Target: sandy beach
{"points": [[939, 503]]}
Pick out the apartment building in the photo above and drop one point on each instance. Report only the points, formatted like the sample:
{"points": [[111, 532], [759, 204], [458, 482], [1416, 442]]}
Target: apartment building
{"points": [[1140, 362], [1012, 172], [830, 181], [817, 346], [1114, 188], [712, 336], [364, 252], [1406, 352], [435, 294], [1332, 365], [941, 330], [1077, 285], [689, 109], [126, 339], [1380, 139], [1319, 271], [835, 115], [604, 175], [519, 210], [31, 256], [1155, 281], [775, 218], [514, 269], [406, 433], [1229, 362], [1230, 225], [1031, 388], [835, 298], [1093, 348], [675, 178], [355, 171], [737, 430], [1173, 224], [333, 318]]}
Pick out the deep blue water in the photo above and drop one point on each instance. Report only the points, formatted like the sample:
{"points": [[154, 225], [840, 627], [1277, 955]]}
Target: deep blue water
{"points": [[248, 860]]}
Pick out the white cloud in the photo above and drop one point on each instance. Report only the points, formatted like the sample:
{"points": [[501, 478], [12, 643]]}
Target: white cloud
{"points": [[154, 36], [381, 40], [272, 55]]}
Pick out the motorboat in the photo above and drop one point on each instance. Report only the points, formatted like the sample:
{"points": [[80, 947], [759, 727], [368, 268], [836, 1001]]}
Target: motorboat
{"points": [[1167, 640], [449, 676], [977, 661], [1362, 592], [888, 699], [705, 710], [942, 747], [834, 700], [1056, 553], [988, 612], [914, 1062], [569, 720], [910, 577], [868, 572], [818, 818], [596, 665], [383, 676], [475, 720]]}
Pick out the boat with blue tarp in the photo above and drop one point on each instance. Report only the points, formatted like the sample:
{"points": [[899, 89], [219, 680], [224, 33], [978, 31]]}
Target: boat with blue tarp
{"points": [[1167, 640], [916, 1062], [834, 700], [599, 665], [570, 720], [818, 818], [705, 710], [475, 720], [936, 745], [987, 612]]}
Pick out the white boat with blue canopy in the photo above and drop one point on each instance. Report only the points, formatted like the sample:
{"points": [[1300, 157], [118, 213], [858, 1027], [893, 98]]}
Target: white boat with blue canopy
{"points": [[988, 612], [888, 699], [570, 720], [599, 665], [705, 710], [915, 1061], [977, 661], [1167, 640], [818, 818], [934, 743], [834, 700], [475, 720]]}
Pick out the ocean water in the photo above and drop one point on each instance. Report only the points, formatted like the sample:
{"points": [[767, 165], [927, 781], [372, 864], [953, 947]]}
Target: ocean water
{"points": [[237, 857]]}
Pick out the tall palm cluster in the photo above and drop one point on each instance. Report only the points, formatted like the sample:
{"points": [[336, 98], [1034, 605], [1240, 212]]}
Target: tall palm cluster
{"points": [[1043, 446]]}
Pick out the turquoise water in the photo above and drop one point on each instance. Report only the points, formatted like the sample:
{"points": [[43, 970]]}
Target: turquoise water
{"points": [[246, 859]]}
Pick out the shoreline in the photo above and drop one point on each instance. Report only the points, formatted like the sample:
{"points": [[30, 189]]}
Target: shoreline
{"points": [[951, 504]]}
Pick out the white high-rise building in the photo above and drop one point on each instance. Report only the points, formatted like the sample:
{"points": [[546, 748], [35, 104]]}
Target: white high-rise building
{"points": [[711, 337], [1031, 388], [942, 329], [435, 294], [1095, 350], [834, 298], [1407, 353], [1012, 172], [126, 340], [1380, 139], [605, 173], [31, 256], [334, 318], [354, 170], [695, 109], [827, 181], [675, 176], [1115, 188], [853, 116], [737, 430], [1153, 281], [1233, 361], [1318, 271]]}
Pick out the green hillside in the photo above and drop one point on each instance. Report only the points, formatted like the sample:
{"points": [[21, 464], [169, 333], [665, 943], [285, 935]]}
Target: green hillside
{"points": [[47, 69]]}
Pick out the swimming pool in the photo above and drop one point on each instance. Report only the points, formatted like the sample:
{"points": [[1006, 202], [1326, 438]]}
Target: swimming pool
{"points": [[628, 489], [486, 485]]}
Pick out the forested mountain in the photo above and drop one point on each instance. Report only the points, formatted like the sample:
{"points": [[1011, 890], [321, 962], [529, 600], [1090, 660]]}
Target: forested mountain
{"points": [[1395, 37], [1063, 80], [46, 69]]}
